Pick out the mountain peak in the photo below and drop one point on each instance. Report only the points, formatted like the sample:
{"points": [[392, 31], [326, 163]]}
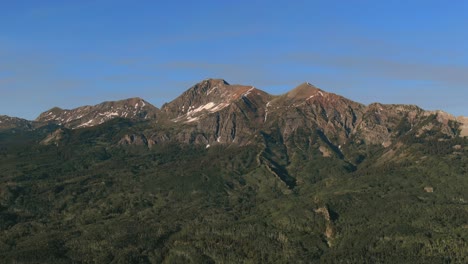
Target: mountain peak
{"points": [[86, 116], [7, 122], [214, 81], [210, 95], [305, 90]]}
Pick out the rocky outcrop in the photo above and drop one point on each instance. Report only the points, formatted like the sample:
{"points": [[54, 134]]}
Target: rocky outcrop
{"points": [[463, 121], [54, 137], [329, 230], [136, 140]]}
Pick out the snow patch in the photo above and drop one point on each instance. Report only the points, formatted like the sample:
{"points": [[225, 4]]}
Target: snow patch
{"points": [[207, 146], [192, 119], [248, 92], [208, 106], [266, 112], [219, 107], [87, 124], [109, 114], [218, 139], [320, 93]]}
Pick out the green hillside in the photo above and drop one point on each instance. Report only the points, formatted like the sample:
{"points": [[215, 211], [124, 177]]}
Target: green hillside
{"points": [[88, 199]]}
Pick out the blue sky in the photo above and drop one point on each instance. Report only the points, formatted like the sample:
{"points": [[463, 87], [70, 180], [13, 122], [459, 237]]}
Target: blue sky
{"points": [[73, 53]]}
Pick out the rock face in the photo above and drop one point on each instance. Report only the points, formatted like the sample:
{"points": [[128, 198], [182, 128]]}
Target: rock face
{"points": [[463, 126], [311, 109], [136, 139], [87, 116], [54, 137]]}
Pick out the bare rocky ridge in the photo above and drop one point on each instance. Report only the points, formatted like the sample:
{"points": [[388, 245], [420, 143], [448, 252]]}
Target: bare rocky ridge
{"points": [[88, 116], [7, 122], [214, 112], [310, 108]]}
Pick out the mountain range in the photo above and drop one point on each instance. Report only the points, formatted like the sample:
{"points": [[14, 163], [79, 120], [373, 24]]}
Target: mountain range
{"points": [[229, 173], [213, 111]]}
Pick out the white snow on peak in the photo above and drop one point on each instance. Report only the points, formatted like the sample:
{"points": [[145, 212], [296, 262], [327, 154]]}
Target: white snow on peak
{"points": [[136, 105], [219, 107], [143, 103], [266, 111], [207, 106], [89, 123], [248, 92], [312, 96], [192, 115], [207, 146], [109, 114], [320, 93], [192, 119]]}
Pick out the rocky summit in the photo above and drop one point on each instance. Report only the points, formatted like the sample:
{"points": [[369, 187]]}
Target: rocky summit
{"points": [[231, 174], [7, 122], [87, 116]]}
